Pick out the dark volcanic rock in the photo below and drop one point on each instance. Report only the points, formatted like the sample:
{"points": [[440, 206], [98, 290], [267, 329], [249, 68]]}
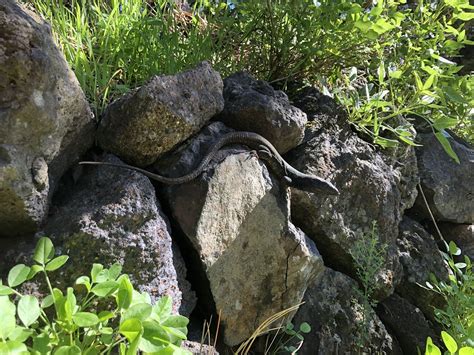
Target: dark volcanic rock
{"points": [[372, 189], [462, 235], [448, 186], [253, 105], [407, 323], [153, 119], [112, 215], [45, 120], [419, 256], [336, 316]]}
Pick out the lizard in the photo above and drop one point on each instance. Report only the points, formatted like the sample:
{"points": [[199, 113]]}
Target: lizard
{"points": [[265, 150]]}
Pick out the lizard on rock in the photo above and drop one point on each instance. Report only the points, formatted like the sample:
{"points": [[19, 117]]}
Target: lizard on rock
{"points": [[265, 150]]}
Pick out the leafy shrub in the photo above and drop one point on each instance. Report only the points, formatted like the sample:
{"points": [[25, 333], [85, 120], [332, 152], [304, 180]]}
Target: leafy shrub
{"points": [[369, 259], [451, 345], [457, 319], [66, 323]]}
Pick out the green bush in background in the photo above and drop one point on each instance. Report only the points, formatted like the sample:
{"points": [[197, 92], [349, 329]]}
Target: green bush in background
{"points": [[385, 61]]}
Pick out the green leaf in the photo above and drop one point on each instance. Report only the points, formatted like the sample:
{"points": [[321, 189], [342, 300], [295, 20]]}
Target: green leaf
{"points": [[18, 274], [12, 348], [467, 350], [41, 343], [68, 350], [381, 72], [28, 310], [453, 248], [125, 292], [447, 146], [429, 82], [7, 316], [139, 311], [305, 328], [449, 342], [44, 251], [84, 280], [131, 328], [34, 270], [5, 290], [85, 319], [56, 263], [396, 74], [444, 123], [431, 349], [105, 288], [155, 337], [48, 301], [465, 16], [453, 95], [96, 268], [115, 271], [162, 309], [20, 334], [104, 315]]}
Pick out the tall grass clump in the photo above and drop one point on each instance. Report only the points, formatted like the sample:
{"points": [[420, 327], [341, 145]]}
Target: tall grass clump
{"points": [[115, 45]]}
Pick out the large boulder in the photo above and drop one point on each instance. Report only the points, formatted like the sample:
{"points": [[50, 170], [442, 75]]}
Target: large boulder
{"points": [[237, 217], [372, 189], [112, 216], [420, 257], [253, 105], [407, 322], [151, 120], [45, 120], [446, 184], [339, 323]]}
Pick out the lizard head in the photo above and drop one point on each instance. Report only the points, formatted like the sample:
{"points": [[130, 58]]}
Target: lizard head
{"points": [[312, 183]]}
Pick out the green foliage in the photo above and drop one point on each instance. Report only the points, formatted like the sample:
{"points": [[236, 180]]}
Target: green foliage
{"points": [[450, 344], [411, 75], [457, 319], [289, 341], [369, 258], [385, 61], [110, 316]]}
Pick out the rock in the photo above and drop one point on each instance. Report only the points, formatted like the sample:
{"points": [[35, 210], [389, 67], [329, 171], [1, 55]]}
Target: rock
{"points": [[198, 348], [371, 190], [335, 314], [462, 235], [419, 256], [407, 323], [112, 215], [236, 216], [447, 185], [253, 105], [46, 122], [153, 119]]}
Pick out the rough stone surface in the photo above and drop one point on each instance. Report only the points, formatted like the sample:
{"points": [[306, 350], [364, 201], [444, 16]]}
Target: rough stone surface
{"points": [[462, 235], [407, 322], [112, 215], [153, 119], [372, 188], [237, 218], [419, 256], [253, 105], [45, 121], [447, 185], [335, 314], [198, 348]]}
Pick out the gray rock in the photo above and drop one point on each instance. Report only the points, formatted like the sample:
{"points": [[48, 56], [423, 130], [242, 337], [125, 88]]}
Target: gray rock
{"points": [[45, 120], [462, 235], [371, 189], [253, 105], [335, 314], [447, 185], [153, 119], [237, 218], [112, 215], [419, 256], [198, 348], [407, 323]]}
